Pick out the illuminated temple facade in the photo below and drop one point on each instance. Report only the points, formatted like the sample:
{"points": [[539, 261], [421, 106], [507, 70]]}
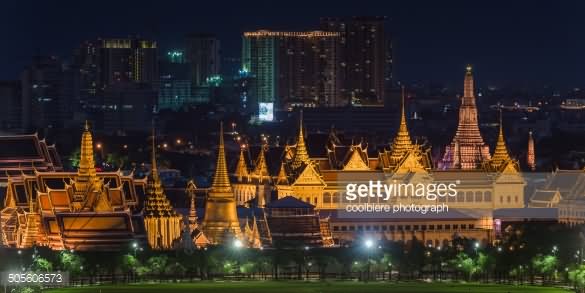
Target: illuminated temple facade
{"points": [[485, 182], [82, 210], [467, 150], [284, 194]]}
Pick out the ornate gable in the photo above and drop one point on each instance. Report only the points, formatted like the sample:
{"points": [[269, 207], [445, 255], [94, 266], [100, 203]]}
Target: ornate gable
{"points": [[309, 176], [411, 162], [355, 162]]}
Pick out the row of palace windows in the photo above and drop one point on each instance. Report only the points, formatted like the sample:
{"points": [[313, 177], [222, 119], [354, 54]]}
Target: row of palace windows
{"points": [[468, 196], [391, 228], [572, 213]]}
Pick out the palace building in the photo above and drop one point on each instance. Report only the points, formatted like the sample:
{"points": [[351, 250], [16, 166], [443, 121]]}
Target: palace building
{"points": [[285, 195], [485, 183], [82, 210]]}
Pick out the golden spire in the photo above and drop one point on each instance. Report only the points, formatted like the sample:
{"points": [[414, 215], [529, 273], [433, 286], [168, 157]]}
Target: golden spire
{"points": [[301, 153], [221, 217], [468, 84], [156, 185], [261, 168], [86, 161], [501, 155], [501, 151], [86, 174], [402, 142], [242, 167], [221, 180], [192, 211], [161, 221], [530, 155]]}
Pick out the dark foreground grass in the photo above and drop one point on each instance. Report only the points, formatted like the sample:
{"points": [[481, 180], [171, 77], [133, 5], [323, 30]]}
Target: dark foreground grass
{"points": [[310, 287]]}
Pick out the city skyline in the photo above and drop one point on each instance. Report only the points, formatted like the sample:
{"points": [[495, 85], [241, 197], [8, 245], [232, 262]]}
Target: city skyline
{"points": [[528, 46]]}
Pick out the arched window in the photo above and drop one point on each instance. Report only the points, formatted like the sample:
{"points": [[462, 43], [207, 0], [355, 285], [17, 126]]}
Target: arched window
{"points": [[469, 196], [326, 198], [478, 196], [336, 197], [487, 196], [460, 196]]}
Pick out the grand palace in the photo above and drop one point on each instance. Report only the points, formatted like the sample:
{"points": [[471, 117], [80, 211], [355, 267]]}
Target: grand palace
{"points": [[285, 196]]}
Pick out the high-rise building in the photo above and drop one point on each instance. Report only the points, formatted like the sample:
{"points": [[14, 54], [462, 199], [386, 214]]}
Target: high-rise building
{"points": [[128, 107], [175, 87], [202, 52], [292, 69], [87, 63], [11, 110], [128, 60], [365, 57], [467, 150], [47, 92]]}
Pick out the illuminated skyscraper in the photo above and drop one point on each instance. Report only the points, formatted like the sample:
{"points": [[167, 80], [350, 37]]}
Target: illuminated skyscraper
{"points": [[467, 150], [128, 60], [202, 52], [365, 57], [175, 87], [292, 69]]}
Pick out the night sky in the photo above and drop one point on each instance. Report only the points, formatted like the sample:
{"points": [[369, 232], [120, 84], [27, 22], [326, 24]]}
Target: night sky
{"points": [[510, 43]]}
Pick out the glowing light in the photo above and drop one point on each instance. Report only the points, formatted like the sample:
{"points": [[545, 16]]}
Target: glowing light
{"points": [[238, 243], [369, 243]]}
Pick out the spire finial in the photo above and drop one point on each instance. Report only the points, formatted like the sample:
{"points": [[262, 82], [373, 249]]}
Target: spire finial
{"points": [[402, 142], [221, 182], [86, 125], [154, 167], [501, 125], [301, 153], [469, 68]]}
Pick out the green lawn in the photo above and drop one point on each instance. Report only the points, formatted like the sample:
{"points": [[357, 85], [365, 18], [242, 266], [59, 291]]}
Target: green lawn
{"points": [[311, 287]]}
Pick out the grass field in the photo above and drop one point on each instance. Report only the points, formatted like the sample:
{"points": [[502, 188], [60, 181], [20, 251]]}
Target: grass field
{"points": [[311, 287]]}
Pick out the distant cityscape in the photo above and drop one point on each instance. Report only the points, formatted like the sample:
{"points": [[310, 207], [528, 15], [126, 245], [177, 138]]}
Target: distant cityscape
{"points": [[304, 157]]}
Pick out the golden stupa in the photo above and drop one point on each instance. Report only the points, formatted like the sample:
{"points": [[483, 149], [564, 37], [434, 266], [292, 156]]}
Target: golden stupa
{"points": [[220, 222]]}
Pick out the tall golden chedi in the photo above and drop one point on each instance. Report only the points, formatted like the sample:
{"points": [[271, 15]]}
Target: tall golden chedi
{"points": [[467, 150], [501, 160], [220, 222], [161, 222]]}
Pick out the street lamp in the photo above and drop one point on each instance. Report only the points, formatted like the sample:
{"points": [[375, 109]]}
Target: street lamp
{"points": [[369, 243], [238, 244]]}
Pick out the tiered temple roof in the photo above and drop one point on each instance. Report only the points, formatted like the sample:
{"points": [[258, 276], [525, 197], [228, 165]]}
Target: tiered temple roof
{"points": [[467, 150], [82, 210], [162, 223]]}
